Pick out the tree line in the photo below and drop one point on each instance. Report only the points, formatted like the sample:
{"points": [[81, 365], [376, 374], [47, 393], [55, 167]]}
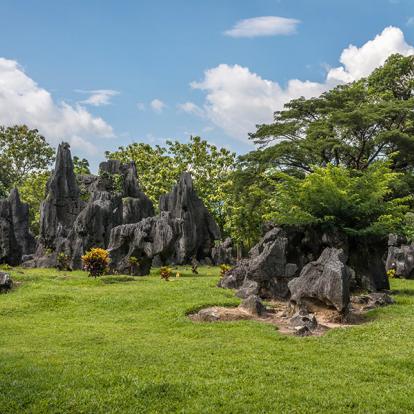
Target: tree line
{"points": [[344, 159]]}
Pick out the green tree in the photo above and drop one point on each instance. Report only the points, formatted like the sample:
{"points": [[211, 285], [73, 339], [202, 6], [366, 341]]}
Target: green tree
{"points": [[23, 151], [33, 192], [81, 166], [351, 125], [358, 202]]}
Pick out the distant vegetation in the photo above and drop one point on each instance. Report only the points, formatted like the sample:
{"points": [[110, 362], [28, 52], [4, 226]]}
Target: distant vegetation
{"points": [[343, 159]]}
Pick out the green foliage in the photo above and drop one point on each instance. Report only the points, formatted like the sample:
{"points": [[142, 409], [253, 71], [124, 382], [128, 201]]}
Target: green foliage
{"points": [[96, 261], [33, 191], [351, 125], [63, 261], [357, 202], [81, 166], [160, 167], [224, 268], [23, 151], [165, 273]]}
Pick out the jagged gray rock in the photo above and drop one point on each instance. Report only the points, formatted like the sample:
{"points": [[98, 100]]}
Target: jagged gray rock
{"points": [[253, 305], [400, 257], [20, 216], [152, 237], [324, 281], [10, 250], [223, 253], [6, 282], [198, 228]]}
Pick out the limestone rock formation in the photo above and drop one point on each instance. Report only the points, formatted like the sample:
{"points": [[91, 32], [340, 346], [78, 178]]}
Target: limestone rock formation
{"points": [[20, 215], [198, 228], [223, 253], [6, 282], [324, 281], [400, 257], [253, 305], [151, 237], [268, 266], [10, 250]]}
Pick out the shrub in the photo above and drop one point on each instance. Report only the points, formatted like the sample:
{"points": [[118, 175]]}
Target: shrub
{"points": [[391, 273], [133, 265], [63, 261], [96, 262], [224, 268], [165, 273]]}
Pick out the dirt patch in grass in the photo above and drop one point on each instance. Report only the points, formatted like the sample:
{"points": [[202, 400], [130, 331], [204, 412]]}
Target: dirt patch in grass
{"points": [[279, 314]]}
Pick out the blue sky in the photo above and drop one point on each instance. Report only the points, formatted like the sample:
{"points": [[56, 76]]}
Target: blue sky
{"points": [[106, 73]]}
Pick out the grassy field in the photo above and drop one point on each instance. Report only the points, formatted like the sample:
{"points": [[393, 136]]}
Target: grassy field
{"points": [[71, 344]]}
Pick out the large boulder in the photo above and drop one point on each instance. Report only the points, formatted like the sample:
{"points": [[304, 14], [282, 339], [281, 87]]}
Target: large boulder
{"points": [[153, 237], [400, 257], [324, 281], [20, 215], [223, 253], [198, 229], [6, 282], [272, 263]]}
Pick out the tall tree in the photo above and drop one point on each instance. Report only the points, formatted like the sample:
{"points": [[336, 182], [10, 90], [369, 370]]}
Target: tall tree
{"points": [[23, 151]]}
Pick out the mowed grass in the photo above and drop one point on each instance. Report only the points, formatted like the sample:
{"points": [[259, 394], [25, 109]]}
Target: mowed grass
{"points": [[72, 344]]}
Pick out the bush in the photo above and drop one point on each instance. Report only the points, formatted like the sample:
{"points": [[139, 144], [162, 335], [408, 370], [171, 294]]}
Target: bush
{"points": [[133, 265], [96, 262], [165, 273], [63, 261], [224, 268]]}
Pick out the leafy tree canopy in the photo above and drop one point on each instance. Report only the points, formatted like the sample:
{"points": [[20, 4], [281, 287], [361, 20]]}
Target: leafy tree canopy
{"points": [[81, 166], [23, 151]]}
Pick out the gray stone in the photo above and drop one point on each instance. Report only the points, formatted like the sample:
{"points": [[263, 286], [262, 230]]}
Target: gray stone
{"points": [[198, 230], [253, 305], [401, 259], [6, 282], [325, 281], [248, 288], [10, 250], [302, 331], [223, 253], [306, 319]]}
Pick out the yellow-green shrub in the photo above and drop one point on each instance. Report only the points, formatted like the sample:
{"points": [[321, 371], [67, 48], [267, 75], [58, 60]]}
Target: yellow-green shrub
{"points": [[96, 261]]}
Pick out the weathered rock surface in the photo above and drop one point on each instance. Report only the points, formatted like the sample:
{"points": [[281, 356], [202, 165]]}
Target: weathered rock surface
{"points": [[150, 238], [6, 282], [324, 281], [198, 228], [20, 216], [400, 257], [10, 250], [304, 319], [268, 266], [223, 253]]}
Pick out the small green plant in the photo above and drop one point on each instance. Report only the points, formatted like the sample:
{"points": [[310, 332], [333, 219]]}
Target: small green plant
{"points": [[224, 268], [133, 265], [391, 273], [63, 261], [96, 262], [165, 273], [194, 266]]}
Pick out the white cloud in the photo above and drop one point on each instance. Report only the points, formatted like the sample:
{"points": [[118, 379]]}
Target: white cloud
{"points": [[238, 99], [263, 26], [98, 97], [157, 105], [23, 101], [191, 108]]}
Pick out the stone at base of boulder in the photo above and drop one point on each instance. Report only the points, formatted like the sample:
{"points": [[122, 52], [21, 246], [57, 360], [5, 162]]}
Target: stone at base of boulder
{"points": [[304, 319], [6, 282], [302, 331], [253, 305]]}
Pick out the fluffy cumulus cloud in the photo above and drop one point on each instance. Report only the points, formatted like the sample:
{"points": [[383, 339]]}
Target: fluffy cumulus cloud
{"points": [[98, 97], [191, 108], [263, 26], [157, 105], [23, 101], [238, 99]]}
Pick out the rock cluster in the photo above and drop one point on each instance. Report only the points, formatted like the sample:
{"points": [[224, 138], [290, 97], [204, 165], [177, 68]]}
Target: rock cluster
{"points": [[306, 265], [6, 282], [223, 253]]}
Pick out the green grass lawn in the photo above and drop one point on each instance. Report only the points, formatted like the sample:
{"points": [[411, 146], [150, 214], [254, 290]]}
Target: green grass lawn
{"points": [[72, 344]]}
